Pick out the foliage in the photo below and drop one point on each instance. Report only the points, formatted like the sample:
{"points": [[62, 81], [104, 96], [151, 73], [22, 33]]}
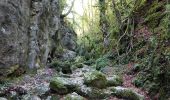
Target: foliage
{"points": [[102, 62], [139, 32]]}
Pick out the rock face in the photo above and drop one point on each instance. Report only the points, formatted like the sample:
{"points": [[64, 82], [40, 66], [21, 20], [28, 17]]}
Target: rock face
{"points": [[29, 31], [14, 24]]}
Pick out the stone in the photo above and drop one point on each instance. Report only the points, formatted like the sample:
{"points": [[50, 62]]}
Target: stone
{"points": [[114, 81], [63, 85], [2, 98], [59, 85], [95, 79], [7, 71], [73, 96], [14, 22], [30, 97], [77, 65], [29, 32], [126, 93], [68, 39], [107, 70], [79, 59], [68, 55], [93, 93], [63, 66]]}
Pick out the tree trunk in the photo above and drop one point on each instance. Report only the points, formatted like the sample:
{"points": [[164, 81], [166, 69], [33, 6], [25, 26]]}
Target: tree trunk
{"points": [[103, 22]]}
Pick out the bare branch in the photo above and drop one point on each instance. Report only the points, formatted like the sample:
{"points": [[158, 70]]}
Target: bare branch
{"points": [[64, 15]]}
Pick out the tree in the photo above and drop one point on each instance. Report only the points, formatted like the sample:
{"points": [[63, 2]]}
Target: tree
{"points": [[103, 22]]}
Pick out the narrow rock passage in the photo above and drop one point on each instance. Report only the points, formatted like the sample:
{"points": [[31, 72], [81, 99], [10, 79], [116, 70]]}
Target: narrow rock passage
{"points": [[85, 83]]}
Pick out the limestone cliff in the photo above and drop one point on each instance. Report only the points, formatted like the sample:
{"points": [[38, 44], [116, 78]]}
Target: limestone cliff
{"points": [[28, 32]]}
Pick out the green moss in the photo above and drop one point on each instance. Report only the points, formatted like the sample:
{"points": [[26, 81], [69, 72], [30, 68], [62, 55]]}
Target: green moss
{"points": [[154, 14], [126, 93], [55, 63], [77, 65], [153, 19], [73, 97], [89, 62], [57, 84], [79, 59], [61, 65], [12, 69], [101, 63], [154, 7], [140, 79], [114, 81], [9, 70], [95, 79], [151, 87]]}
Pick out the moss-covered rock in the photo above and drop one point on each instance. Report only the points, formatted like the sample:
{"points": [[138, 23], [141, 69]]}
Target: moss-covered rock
{"points": [[126, 93], [53, 97], [114, 81], [73, 96], [79, 59], [77, 65], [63, 85], [95, 79], [89, 62], [64, 66], [30, 97], [58, 85], [9, 70], [93, 93]]}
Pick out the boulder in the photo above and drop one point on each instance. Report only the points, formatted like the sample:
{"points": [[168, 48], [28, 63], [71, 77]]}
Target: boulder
{"points": [[73, 96], [68, 55], [77, 65], [95, 79], [63, 85], [114, 81], [126, 93], [30, 97], [79, 59], [1, 98], [93, 93], [63, 66]]}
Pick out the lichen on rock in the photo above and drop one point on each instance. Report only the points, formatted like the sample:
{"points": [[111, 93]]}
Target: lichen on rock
{"points": [[95, 79], [126, 93], [114, 81]]}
